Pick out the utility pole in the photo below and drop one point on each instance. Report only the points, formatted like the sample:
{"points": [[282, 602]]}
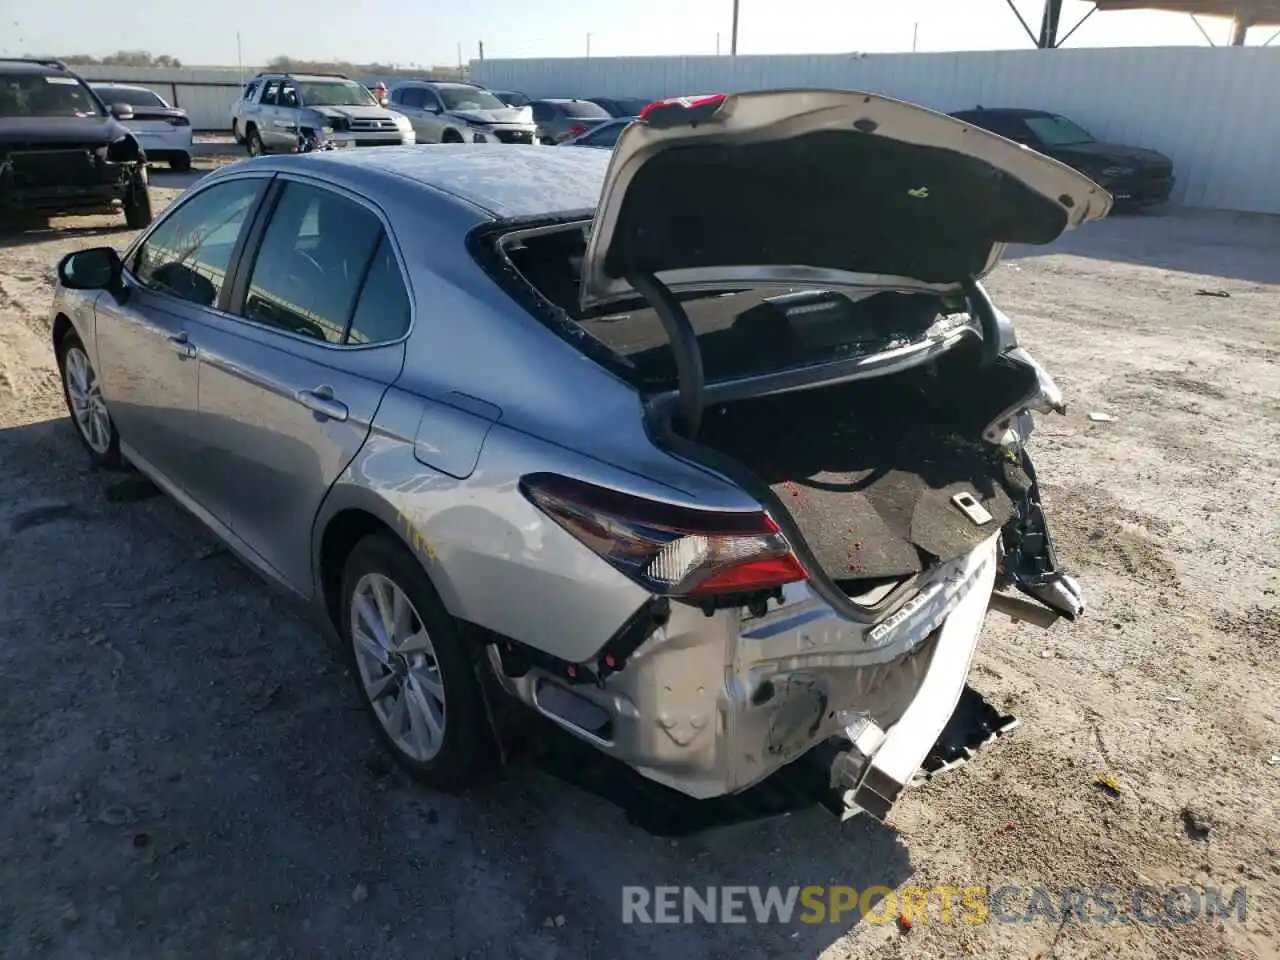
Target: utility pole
{"points": [[588, 45], [459, 56], [239, 59], [717, 43], [733, 37], [1048, 39], [915, 36], [481, 49]]}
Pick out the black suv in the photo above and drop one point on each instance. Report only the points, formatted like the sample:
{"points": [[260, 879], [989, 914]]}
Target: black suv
{"points": [[62, 151]]}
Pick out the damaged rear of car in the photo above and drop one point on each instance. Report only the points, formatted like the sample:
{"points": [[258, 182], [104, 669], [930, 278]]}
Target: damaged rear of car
{"points": [[62, 151], [790, 281]]}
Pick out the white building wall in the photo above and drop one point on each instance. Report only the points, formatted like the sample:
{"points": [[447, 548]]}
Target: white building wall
{"points": [[1215, 111]]}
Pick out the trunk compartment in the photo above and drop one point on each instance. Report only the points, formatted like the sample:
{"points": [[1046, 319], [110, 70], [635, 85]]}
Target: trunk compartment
{"points": [[866, 470]]}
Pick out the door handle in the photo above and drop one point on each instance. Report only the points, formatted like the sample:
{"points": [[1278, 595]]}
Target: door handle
{"points": [[320, 401], [182, 346]]}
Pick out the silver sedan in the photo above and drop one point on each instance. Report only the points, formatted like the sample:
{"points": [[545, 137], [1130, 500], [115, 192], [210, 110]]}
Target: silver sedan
{"points": [[710, 450]]}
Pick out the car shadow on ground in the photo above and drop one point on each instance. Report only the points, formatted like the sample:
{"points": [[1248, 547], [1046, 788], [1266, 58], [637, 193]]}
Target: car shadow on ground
{"points": [[195, 776], [1213, 243], [26, 233]]}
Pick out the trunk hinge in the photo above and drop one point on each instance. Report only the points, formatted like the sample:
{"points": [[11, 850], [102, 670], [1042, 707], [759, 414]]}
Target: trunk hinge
{"points": [[684, 343], [997, 331]]}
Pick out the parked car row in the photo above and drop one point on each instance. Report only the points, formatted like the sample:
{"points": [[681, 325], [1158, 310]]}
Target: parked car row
{"points": [[277, 112]]}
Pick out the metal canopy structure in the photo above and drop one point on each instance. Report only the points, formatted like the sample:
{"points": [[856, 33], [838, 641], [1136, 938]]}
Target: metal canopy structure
{"points": [[1242, 13]]}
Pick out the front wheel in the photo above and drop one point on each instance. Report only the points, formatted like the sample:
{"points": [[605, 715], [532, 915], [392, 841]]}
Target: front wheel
{"points": [[411, 668], [88, 409], [137, 200], [180, 163]]}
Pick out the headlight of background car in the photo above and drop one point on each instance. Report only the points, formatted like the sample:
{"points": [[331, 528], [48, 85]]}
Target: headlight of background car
{"points": [[1116, 171]]}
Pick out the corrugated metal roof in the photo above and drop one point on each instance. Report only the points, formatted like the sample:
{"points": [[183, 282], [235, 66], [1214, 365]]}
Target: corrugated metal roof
{"points": [[1254, 12]]}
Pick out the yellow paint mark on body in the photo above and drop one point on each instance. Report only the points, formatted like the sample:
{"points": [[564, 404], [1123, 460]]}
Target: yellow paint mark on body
{"points": [[417, 542]]}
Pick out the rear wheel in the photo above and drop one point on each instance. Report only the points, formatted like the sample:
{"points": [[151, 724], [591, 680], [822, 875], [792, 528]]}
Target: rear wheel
{"points": [[235, 131], [85, 403], [253, 142], [548, 142], [180, 163], [411, 667], [137, 200], [451, 136]]}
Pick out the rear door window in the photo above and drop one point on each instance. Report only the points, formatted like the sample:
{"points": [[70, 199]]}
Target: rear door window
{"points": [[311, 269], [584, 110], [269, 92], [409, 96]]}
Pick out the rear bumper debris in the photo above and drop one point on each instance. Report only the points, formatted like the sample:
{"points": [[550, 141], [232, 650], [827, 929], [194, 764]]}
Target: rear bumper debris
{"points": [[879, 764]]}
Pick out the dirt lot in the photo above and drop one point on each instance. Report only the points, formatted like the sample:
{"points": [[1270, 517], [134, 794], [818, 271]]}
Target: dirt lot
{"points": [[188, 773]]}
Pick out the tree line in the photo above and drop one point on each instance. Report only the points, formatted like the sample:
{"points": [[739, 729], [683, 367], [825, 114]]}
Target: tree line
{"points": [[121, 58], [280, 64]]}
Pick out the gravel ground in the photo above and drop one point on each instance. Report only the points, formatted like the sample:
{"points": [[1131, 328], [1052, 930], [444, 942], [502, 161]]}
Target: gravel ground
{"points": [[188, 773]]}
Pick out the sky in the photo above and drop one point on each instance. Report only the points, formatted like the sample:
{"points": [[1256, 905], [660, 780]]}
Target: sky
{"points": [[426, 32]]}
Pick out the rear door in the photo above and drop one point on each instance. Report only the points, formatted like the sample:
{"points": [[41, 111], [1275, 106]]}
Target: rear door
{"points": [[147, 339], [290, 383]]}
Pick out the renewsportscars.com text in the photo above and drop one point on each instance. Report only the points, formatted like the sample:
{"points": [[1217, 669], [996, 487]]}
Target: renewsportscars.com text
{"points": [[974, 904]]}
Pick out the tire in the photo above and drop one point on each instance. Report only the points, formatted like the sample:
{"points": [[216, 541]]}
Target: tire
{"points": [[463, 746], [548, 142], [451, 136], [235, 131], [253, 142], [98, 435], [137, 200], [181, 163]]}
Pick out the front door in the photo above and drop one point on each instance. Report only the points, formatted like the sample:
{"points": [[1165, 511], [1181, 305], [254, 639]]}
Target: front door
{"points": [[148, 355], [290, 385]]}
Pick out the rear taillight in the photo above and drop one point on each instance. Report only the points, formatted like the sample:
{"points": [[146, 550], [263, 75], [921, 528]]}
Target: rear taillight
{"points": [[679, 110], [577, 130], [180, 121], [671, 550]]}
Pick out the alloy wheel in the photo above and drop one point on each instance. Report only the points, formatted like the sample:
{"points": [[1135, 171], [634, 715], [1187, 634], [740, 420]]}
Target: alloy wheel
{"points": [[398, 666], [88, 408]]}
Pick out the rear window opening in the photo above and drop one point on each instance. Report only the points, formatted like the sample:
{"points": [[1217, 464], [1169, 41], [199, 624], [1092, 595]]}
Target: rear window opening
{"points": [[740, 333]]}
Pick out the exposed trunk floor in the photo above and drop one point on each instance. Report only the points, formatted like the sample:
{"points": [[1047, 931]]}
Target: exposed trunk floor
{"points": [[870, 493]]}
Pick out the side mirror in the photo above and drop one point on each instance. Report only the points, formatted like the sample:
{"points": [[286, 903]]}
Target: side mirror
{"points": [[97, 268], [122, 111]]}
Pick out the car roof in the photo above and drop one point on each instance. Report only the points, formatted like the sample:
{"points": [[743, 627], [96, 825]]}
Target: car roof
{"points": [[120, 86], [504, 181], [42, 69]]}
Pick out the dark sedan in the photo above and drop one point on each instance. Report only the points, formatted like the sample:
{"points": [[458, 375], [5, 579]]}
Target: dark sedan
{"points": [[621, 106], [562, 119], [1134, 176]]}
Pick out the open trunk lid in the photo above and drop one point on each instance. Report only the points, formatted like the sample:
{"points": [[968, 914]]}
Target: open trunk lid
{"points": [[819, 187]]}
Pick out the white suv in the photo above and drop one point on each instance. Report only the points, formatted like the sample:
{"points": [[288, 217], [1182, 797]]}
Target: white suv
{"points": [[461, 113], [277, 110]]}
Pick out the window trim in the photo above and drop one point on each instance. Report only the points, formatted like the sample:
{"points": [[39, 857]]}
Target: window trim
{"points": [[131, 252], [247, 258]]}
